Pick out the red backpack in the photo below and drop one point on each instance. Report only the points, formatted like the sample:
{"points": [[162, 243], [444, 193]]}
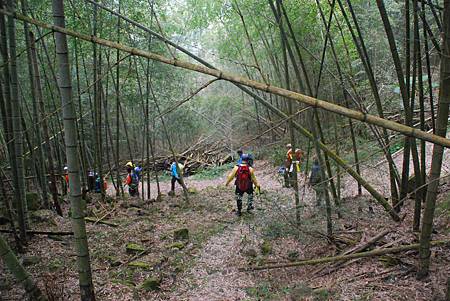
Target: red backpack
{"points": [[243, 178]]}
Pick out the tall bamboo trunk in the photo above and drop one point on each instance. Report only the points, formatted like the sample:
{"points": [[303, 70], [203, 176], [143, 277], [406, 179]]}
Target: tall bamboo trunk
{"points": [[362, 51], [117, 87], [81, 135], [36, 116], [70, 134], [309, 89], [97, 105], [414, 150], [277, 13], [17, 127], [45, 130], [438, 151]]}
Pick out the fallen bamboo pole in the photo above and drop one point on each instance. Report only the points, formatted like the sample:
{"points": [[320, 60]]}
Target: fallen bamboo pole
{"points": [[96, 221], [373, 253], [33, 232], [307, 100]]}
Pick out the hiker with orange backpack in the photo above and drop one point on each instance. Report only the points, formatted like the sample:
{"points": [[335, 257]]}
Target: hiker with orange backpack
{"points": [[245, 178]]}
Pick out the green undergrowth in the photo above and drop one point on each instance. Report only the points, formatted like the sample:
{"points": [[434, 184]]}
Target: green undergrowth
{"points": [[212, 172], [270, 291]]}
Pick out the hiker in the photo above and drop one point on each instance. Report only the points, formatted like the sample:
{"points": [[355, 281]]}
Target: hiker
{"points": [[315, 180], [288, 166], [91, 180], [245, 178], [138, 171], [98, 184], [176, 177], [66, 177], [132, 180], [298, 159]]}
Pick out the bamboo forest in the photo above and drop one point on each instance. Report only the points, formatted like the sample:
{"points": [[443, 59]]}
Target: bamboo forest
{"points": [[224, 150]]}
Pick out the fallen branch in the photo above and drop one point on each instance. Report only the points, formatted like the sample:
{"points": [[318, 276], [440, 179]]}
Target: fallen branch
{"points": [[366, 245], [356, 249], [58, 233], [373, 253], [96, 221]]}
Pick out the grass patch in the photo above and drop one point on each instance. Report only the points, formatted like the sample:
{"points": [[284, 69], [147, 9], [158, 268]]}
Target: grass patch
{"points": [[213, 172], [261, 292]]}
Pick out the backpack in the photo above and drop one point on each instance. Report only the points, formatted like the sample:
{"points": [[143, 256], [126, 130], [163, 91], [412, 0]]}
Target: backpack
{"points": [[134, 179], [243, 178]]}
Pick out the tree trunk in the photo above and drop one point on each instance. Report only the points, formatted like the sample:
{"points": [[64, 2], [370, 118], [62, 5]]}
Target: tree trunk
{"points": [[70, 134], [38, 139], [438, 150], [47, 145], [17, 127], [117, 87]]}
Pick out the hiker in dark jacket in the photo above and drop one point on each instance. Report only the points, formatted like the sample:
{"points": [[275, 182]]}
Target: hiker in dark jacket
{"points": [[245, 178], [315, 180]]}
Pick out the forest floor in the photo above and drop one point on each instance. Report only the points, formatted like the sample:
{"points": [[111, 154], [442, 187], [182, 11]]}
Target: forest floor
{"points": [[204, 265]]}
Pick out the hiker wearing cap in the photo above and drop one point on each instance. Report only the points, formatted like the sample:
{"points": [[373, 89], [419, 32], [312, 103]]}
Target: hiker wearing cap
{"points": [[245, 178]]}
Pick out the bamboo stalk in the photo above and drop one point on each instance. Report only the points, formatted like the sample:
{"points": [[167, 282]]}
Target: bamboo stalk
{"points": [[438, 151], [69, 115]]}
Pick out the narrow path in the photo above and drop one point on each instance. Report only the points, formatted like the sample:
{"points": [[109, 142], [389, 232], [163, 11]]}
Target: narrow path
{"points": [[215, 275]]}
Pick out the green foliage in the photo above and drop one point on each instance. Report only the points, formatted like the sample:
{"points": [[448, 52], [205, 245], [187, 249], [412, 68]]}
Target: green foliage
{"points": [[213, 172], [261, 292], [396, 146], [278, 156]]}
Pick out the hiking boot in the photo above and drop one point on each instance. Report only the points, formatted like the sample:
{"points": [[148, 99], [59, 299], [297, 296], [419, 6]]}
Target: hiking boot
{"points": [[238, 213], [250, 208]]}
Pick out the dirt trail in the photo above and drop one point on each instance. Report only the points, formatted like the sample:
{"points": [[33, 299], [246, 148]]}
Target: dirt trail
{"points": [[215, 275]]}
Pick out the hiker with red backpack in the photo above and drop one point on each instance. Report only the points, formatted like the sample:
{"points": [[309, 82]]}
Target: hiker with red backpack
{"points": [[245, 178]]}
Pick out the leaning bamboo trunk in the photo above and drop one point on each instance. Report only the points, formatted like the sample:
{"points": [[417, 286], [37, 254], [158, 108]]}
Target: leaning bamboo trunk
{"points": [[438, 150], [70, 135], [19, 272]]}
